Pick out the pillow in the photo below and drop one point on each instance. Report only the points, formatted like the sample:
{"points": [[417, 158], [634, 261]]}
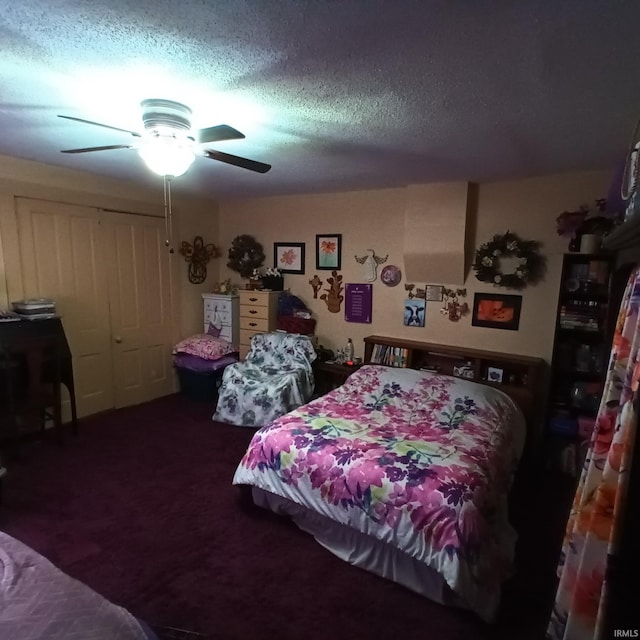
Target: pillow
{"points": [[213, 330], [204, 346]]}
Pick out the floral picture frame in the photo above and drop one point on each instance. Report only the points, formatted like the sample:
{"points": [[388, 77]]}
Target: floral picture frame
{"points": [[329, 251], [288, 257]]}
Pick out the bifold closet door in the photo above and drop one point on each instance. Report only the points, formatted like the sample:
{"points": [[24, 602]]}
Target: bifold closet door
{"points": [[140, 300], [62, 257]]}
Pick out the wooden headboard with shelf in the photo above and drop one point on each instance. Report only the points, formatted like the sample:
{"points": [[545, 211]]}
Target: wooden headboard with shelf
{"points": [[520, 377]]}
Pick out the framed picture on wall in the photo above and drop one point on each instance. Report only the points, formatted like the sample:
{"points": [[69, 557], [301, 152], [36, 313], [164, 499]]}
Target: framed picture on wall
{"points": [[414, 312], [288, 257], [329, 251], [496, 311], [433, 292]]}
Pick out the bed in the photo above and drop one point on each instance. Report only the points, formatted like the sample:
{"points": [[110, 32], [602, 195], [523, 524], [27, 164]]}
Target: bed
{"points": [[40, 602], [401, 472]]}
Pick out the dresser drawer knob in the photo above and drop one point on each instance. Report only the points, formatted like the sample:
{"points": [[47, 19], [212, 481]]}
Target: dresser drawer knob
{"points": [[252, 311], [253, 299], [253, 324]]}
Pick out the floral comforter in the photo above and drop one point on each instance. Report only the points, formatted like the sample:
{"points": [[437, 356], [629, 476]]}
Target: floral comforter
{"points": [[417, 460]]}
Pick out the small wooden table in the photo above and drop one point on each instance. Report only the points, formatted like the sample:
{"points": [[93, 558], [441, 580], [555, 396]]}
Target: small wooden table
{"points": [[329, 375]]}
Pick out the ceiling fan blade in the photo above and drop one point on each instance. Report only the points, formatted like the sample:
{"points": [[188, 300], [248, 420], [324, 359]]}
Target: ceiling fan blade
{"points": [[99, 124], [105, 148], [236, 161], [217, 133]]}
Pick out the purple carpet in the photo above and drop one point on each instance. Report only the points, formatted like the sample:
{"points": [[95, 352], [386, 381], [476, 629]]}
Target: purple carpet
{"points": [[141, 508]]}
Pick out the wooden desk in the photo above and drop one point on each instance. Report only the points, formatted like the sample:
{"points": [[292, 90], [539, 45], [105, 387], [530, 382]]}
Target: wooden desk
{"points": [[24, 329]]}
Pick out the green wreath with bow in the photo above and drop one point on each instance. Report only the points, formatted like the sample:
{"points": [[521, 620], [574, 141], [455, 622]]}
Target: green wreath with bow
{"points": [[487, 261]]}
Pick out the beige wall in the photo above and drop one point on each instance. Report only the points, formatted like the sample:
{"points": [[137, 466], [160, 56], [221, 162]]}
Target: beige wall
{"points": [[374, 219], [20, 178], [366, 219]]}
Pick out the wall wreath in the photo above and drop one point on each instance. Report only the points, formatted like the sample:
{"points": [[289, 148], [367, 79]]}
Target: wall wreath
{"points": [[529, 270], [245, 255]]}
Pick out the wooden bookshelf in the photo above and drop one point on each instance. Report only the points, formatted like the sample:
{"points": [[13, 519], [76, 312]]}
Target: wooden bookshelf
{"points": [[517, 376]]}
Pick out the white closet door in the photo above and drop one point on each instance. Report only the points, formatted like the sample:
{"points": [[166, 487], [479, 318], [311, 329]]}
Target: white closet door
{"points": [[62, 257], [140, 298]]}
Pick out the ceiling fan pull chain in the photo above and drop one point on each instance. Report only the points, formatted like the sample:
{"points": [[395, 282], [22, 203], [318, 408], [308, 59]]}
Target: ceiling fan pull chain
{"points": [[168, 223], [170, 216]]}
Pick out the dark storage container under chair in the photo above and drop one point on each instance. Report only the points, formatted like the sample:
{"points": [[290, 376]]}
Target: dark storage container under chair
{"points": [[199, 386], [200, 379]]}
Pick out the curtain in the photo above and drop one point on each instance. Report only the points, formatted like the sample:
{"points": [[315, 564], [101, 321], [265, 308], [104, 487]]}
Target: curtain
{"points": [[594, 524]]}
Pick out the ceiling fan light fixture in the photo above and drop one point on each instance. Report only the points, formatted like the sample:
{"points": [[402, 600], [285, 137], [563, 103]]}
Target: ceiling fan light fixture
{"points": [[167, 155], [168, 145]]}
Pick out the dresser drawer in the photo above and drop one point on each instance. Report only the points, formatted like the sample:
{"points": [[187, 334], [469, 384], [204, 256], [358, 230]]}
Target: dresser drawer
{"points": [[221, 304], [247, 311], [254, 298], [222, 317], [254, 324], [246, 335]]}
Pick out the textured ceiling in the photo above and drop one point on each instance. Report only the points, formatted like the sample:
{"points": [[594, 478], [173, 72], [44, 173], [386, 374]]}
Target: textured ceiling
{"points": [[335, 94]]}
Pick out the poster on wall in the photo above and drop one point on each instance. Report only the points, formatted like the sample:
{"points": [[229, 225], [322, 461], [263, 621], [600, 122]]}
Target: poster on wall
{"points": [[358, 303], [414, 312]]}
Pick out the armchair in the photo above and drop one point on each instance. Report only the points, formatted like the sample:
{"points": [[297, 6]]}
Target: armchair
{"points": [[275, 378]]}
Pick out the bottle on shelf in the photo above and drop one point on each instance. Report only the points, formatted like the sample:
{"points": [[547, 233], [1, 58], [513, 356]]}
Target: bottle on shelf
{"points": [[349, 351]]}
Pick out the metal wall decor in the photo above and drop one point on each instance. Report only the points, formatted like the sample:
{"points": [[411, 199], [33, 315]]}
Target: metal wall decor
{"points": [[370, 264], [315, 283], [413, 292], [198, 255], [452, 304], [333, 298]]}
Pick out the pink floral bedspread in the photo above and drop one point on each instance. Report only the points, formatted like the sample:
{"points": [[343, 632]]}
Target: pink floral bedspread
{"points": [[40, 602], [417, 460]]}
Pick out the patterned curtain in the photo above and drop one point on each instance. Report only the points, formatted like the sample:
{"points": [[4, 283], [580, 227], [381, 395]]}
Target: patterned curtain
{"points": [[593, 527]]}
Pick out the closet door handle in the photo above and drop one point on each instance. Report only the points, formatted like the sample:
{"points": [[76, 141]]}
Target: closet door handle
{"points": [[118, 340]]}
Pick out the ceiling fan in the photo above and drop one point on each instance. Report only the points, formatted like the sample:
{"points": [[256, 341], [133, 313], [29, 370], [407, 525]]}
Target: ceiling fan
{"points": [[168, 144]]}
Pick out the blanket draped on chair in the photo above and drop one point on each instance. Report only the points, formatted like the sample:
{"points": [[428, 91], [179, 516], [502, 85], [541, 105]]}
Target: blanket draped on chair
{"points": [[275, 378]]}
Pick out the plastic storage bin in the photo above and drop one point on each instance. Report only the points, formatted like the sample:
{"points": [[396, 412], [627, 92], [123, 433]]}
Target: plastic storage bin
{"points": [[199, 386]]}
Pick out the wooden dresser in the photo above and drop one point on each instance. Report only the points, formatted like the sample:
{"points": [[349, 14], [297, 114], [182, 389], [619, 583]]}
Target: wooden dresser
{"points": [[258, 314], [223, 311]]}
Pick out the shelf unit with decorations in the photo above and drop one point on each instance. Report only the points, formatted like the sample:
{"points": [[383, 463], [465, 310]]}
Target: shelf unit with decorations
{"points": [[588, 301], [518, 376]]}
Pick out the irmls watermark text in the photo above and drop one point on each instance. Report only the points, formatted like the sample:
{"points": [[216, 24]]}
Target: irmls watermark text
{"points": [[626, 633]]}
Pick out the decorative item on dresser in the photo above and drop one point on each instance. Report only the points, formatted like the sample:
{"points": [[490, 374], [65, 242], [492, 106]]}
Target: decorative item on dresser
{"points": [[222, 311], [258, 314], [587, 303]]}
